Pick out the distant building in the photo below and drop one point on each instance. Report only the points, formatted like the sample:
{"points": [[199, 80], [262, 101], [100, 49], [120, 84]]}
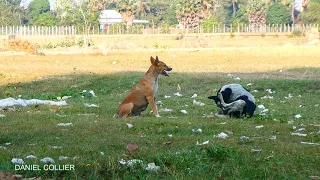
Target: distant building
{"points": [[109, 17]]}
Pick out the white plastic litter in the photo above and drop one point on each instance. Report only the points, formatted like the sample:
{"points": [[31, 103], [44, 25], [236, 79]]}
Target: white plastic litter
{"points": [[270, 91], [256, 150], [250, 84], [267, 97], [133, 162], [165, 110], [298, 134], [102, 153], [204, 143], [177, 94], [222, 135], [198, 130], [237, 78], [273, 138], [170, 135], [64, 124], [47, 160], [184, 111], [23, 102], [3, 147], [17, 161], [165, 96], [91, 105], [300, 129], [198, 103], [194, 96], [297, 116], [259, 127], [254, 91], [129, 125], [63, 158], [31, 157], [2, 116], [310, 143], [90, 92], [152, 167]]}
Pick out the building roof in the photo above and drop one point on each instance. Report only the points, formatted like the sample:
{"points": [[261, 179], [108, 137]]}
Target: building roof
{"points": [[112, 16]]}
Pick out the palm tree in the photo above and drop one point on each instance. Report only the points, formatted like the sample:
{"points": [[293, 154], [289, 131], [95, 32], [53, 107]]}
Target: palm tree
{"points": [[257, 10]]}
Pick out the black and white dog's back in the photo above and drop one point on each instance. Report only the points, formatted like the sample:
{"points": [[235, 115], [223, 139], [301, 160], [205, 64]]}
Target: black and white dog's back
{"points": [[231, 95]]}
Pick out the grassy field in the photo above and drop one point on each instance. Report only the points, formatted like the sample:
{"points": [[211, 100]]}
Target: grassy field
{"points": [[96, 142]]}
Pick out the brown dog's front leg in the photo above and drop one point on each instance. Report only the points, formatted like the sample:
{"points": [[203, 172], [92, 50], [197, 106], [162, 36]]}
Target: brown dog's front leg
{"points": [[153, 106]]}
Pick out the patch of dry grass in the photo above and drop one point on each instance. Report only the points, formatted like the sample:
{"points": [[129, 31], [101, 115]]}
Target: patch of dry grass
{"points": [[216, 60]]}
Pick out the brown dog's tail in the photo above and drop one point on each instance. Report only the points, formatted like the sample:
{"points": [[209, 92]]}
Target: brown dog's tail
{"points": [[124, 110]]}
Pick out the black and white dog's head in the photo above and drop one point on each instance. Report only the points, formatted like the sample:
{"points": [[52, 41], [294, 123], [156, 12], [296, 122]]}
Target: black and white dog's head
{"points": [[233, 96]]}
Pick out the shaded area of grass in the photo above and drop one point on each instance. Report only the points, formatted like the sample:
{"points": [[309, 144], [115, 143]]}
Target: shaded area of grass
{"points": [[33, 130]]}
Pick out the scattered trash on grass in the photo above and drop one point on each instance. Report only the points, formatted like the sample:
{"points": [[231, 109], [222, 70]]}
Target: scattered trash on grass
{"points": [[267, 97], [64, 124], [249, 84], [259, 127], [31, 157], [204, 143], [254, 91], [298, 134], [177, 94], [102, 153], [222, 135], [63, 158], [237, 78], [3, 147], [198, 130], [165, 96], [310, 143], [273, 138], [170, 135], [47, 160], [270, 91], [289, 96], [256, 150], [194, 96], [88, 93], [152, 167], [91, 105], [23, 102], [198, 103], [184, 111], [2, 116], [129, 125], [63, 97], [17, 161], [61, 115], [297, 116], [165, 110]]}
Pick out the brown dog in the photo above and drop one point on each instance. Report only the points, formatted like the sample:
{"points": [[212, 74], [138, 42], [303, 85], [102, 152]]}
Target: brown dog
{"points": [[144, 92]]}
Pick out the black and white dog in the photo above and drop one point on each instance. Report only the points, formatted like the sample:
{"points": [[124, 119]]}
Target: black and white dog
{"points": [[235, 101]]}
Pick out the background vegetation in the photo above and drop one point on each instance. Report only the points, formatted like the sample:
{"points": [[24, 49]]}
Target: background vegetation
{"points": [[158, 12]]}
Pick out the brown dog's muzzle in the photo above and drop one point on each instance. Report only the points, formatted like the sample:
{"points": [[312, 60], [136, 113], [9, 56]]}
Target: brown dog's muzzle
{"points": [[164, 71]]}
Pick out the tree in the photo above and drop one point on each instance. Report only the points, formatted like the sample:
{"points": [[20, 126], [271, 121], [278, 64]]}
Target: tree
{"points": [[278, 14], [10, 13], [190, 12], [312, 13], [39, 14], [127, 10], [257, 12]]}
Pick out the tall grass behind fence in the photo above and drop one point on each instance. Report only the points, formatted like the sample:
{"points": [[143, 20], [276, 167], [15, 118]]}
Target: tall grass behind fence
{"points": [[46, 31]]}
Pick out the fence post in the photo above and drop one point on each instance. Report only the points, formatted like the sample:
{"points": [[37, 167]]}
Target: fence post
{"points": [[224, 28]]}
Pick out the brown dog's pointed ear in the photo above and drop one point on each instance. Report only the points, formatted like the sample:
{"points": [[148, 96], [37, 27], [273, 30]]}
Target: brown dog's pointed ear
{"points": [[157, 59], [152, 60]]}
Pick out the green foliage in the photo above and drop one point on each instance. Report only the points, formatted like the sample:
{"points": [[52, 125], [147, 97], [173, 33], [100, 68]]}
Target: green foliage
{"points": [[46, 19], [312, 13], [207, 25], [36, 8], [256, 7], [278, 14], [10, 14], [296, 33]]}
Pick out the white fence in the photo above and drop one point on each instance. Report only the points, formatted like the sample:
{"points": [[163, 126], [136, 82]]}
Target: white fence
{"points": [[44, 31]]}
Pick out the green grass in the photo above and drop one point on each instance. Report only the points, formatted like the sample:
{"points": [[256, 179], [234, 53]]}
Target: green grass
{"points": [[33, 130]]}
